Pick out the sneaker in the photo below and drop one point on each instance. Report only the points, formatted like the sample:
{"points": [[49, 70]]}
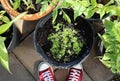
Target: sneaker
{"points": [[45, 72], [75, 73]]}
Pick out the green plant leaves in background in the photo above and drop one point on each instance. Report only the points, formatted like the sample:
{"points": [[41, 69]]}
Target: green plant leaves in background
{"points": [[111, 41]]}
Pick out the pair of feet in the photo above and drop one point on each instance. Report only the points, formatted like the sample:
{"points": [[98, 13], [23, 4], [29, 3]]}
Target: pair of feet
{"points": [[45, 72]]}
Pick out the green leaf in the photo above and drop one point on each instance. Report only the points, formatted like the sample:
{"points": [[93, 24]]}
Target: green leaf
{"points": [[102, 12], [38, 1], [16, 4], [44, 7], [5, 19], [54, 14], [94, 3], [5, 27], [108, 25], [4, 54], [66, 17]]}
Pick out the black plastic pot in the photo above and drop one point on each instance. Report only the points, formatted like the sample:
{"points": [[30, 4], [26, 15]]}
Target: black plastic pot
{"points": [[12, 35], [43, 29]]}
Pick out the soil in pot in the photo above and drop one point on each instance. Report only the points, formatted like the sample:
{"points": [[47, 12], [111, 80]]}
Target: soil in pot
{"points": [[46, 29]]}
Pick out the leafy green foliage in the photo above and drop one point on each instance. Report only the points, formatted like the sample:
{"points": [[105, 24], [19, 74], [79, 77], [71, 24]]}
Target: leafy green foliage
{"points": [[111, 41], [64, 42], [87, 8], [5, 24]]}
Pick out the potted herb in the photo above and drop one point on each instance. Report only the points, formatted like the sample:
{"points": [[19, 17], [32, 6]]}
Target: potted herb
{"points": [[65, 41], [36, 9], [7, 37]]}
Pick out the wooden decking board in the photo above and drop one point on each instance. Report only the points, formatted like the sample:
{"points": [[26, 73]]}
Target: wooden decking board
{"points": [[19, 73], [27, 54], [95, 69]]}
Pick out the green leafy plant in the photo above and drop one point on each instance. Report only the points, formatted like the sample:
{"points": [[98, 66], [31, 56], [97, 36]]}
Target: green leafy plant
{"points": [[111, 41], [65, 43], [111, 38], [84, 7], [30, 4], [5, 24]]}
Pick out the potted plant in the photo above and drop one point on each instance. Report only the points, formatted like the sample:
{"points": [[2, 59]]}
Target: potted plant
{"points": [[36, 8], [8, 39], [63, 42]]}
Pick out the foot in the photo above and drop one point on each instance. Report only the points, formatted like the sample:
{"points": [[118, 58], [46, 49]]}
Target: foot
{"points": [[45, 72], [75, 73]]}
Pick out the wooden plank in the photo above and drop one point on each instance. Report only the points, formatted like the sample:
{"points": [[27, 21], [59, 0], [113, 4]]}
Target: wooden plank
{"points": [[19, 73], [95, 69], [27, 54]]}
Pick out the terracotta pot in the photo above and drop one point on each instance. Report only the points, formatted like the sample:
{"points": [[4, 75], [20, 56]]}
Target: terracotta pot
{"points": [[36, 16]]}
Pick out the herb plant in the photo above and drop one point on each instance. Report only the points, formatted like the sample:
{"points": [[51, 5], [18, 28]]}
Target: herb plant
{"points": [[5, 24], [65, 43]]}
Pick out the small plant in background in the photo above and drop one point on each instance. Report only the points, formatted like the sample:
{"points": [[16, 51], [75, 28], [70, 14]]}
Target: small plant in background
{"points": [[5, 24], [65, 43]]}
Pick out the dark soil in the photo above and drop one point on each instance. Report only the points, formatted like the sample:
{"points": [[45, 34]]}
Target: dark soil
{"points": [[23, 8], [48, 29]]}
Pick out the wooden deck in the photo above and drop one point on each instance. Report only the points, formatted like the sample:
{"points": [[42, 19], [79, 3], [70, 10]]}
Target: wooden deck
{"points": [[24, 61]]}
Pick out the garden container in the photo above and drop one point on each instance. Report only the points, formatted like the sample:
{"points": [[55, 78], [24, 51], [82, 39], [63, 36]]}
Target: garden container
{"points": [[45, 27], [29, 17]]}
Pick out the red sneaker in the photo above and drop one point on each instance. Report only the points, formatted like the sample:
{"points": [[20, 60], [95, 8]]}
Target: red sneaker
{"points": [[45, 72], [75, 73]]}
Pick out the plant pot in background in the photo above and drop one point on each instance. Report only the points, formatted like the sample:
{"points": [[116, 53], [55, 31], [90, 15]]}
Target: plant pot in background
{"points": [[12, 35], [34, 16], [45, 27]]}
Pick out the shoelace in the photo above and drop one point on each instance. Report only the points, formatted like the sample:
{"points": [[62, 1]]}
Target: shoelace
{"points": [[75, 75], [47, 75]]}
